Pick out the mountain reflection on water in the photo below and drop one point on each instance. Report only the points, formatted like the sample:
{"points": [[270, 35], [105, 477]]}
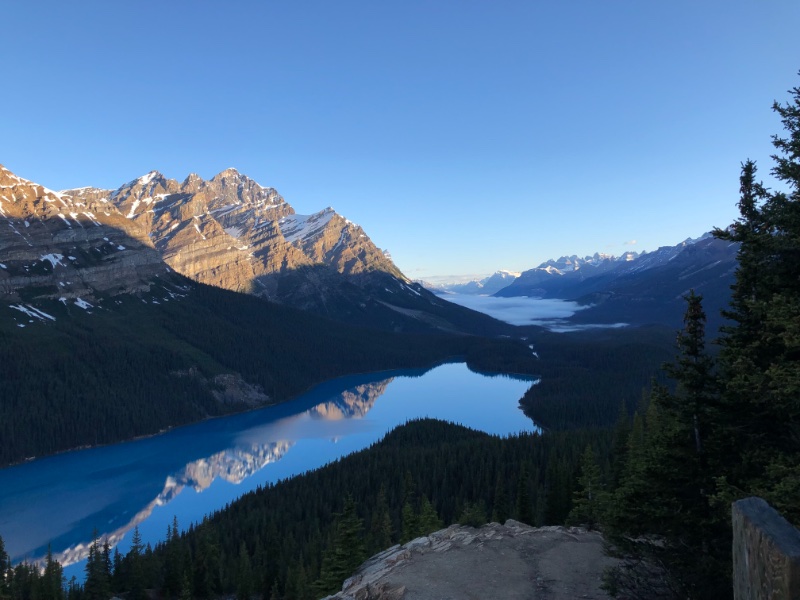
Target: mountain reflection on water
{"points": [[232, 465], [191, 471]]}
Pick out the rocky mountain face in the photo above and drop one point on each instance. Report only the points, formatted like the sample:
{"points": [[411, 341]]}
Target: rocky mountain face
{"points": [[638, 288], [233, 233], [82, 244], [68, 246]]}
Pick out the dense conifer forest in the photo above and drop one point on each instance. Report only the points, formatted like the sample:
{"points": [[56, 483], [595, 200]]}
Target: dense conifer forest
{"points": [[296, 538]]}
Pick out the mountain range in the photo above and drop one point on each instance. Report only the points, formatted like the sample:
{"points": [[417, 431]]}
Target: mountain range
{"points": [[230, 232], [637, 288], [485, 286]]}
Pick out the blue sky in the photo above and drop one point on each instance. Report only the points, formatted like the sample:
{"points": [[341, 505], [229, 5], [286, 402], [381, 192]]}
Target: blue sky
{"points": [[463, 136]]}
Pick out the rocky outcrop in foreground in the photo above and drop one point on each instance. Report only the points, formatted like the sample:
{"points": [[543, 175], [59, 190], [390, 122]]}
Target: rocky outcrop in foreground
{"points": [[495, 561]]}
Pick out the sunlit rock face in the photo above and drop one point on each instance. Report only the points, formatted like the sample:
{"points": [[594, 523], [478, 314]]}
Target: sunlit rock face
{"points": [[58, 245], [229, 232], [233, 233]]}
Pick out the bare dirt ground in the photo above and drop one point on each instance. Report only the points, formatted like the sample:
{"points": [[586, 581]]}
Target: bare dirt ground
{"points": [[510, 561]]}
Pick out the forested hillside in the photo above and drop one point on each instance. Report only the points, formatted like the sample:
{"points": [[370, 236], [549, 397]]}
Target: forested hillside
{"points": [[135, 368]]}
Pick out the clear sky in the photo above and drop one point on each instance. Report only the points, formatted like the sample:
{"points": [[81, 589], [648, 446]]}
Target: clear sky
{"points": [[464, 136]]}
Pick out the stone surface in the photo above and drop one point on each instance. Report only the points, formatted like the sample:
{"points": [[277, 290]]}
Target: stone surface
{"points": [[496, 561], [766, 553]]}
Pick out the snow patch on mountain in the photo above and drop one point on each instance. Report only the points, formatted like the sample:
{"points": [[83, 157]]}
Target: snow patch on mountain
{"points": [[53, 259], [297, 227], [32, 311]]}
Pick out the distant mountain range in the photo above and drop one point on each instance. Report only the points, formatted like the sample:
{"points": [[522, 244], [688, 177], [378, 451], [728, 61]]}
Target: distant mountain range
{"points": [[484, 286], [637, 288]]}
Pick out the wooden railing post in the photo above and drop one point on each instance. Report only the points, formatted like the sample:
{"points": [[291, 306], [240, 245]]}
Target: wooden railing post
{"points": [[766, 553]]}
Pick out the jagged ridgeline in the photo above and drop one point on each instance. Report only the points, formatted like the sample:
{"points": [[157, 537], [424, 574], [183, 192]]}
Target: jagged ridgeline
{"points": [[229, 232]]}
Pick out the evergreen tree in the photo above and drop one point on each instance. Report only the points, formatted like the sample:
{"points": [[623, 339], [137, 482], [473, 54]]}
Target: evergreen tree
{"points": [[5, 565], [410, 525], [589, 503], [186, 588], [135, 561], [473, 514], [117, 570], [74, 591], [558, 497], [662, 510], [97, 585], [619, 446], [524, 512], [346, 551], [381, 529], [52, 580], [173, 563], [760, 416], [429, 520], [107, 565], [206, 564], [244, 575], [500, 510], [275, 594]]}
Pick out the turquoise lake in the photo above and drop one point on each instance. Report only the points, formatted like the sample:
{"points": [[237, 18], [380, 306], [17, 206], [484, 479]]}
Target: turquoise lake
{"points": [[191, 471]]}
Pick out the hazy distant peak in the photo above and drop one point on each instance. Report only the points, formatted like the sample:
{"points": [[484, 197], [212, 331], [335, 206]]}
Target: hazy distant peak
{"points": [[475, 284], [507, 273]]}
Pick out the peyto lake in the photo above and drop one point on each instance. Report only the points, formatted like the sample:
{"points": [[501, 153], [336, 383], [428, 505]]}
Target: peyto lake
{"points": [[191, 471]]}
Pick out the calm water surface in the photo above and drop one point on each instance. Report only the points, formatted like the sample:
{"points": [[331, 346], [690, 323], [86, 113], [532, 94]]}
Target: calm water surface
{"points": [[193, 470]]}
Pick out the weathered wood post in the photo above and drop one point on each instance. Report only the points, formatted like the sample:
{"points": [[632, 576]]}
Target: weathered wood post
{"points": [[766, 553]]}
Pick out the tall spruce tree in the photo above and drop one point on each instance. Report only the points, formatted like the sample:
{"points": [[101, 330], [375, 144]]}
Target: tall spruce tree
{"points": [[381, 528], [500, 508], [524, 505], [52, 579], [97, 585], [590, 499], [244, 575], [662, 511], [5, 565], [346, 550], [761, 349], [738, 435]]}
